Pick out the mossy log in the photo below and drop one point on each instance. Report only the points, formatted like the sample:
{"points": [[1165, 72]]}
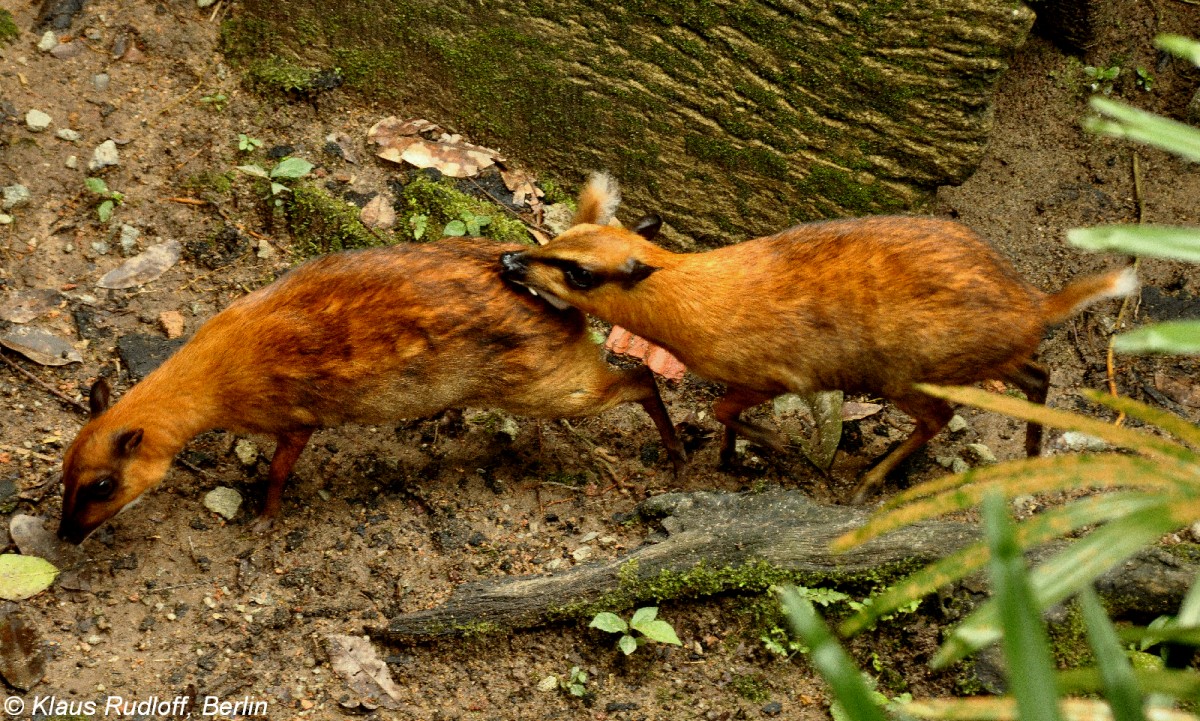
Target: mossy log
{"points": [[719, 542], [716, 542], [730, 119]]}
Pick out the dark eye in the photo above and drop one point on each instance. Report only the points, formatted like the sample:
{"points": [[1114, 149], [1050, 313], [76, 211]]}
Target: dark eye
{"points": [[103, 489], [581, 278]]}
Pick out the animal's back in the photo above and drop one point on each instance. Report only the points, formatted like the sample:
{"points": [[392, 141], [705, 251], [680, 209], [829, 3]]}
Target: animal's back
{"points": [[867, 304], [374, 335]]}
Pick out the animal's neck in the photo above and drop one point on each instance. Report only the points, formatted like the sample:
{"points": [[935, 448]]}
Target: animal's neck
{"points": [[173, 404]]}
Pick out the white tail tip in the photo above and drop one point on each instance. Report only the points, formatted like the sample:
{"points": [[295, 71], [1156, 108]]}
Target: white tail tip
{"points": [[1126, 283], [599, 200]]}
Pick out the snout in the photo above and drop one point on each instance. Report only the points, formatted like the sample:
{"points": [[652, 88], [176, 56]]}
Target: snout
{"points": [[513, 265], [72, 533]]}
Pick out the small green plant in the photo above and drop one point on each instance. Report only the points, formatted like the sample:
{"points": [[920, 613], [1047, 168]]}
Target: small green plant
{"points": [[109, 198], [470, 224], [419, 224], [576, 683], [1144, 79], [1101, 78], [287, 169], [247, 144], [216, 99], [645, 621]]}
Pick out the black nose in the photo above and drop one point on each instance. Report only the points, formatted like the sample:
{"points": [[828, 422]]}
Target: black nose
{"points": [[513, 263]]}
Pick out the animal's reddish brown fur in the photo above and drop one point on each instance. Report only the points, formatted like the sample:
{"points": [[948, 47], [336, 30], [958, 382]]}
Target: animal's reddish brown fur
{"points": [[359, 337], [869, 305]]}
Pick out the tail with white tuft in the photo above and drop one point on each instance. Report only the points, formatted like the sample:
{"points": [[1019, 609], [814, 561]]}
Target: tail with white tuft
{"points": [[1084, 292], [599, 200]]}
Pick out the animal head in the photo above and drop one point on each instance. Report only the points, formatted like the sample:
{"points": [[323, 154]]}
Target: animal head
{"points": [[593, 263], [106, 469]]}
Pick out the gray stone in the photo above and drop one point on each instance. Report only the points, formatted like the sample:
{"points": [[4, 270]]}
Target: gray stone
{"points": [[981, 453], [958, 465], [5, 219], [246, 452], [957, 424], [1076, 441], [72, 162], [71, 136], [48, 41], [100, 81], [582, 553], [129, 239], [100, 247], [104, 155], [15, 196], [945, 461], [223, 501], [68, 50], [265, 250], [37, 121]]}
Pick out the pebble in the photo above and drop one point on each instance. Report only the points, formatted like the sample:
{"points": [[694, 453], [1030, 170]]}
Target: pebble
{"points": [[981, 453], [71, 162], [246, 452], [171, 321], [15, 196], [265, 251], [223, 500], [48, 41], [5, 218], [36, 120], [104, 155], [71, 136], [548, 684], [1195, 531], [69, 248], [957, 423], [582, 553], [945, 461], [100, 81], [1076, 441], [773, 709], [959, 465], [589, 537], [554, 564], [129, 239], [607, 541], [67, 50], [100, 247]]}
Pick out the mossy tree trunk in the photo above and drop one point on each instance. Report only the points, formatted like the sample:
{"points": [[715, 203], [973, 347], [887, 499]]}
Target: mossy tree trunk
{"points": [[730, 119]]}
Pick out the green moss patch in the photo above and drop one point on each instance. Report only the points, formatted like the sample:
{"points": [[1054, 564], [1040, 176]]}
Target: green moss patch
{"points": [[8, 27]]}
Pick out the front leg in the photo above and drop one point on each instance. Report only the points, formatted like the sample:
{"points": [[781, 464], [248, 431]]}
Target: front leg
{"points": [[287, 449]]}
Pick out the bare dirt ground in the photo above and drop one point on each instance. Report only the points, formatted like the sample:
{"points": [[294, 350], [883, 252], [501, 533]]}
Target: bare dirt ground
{"points": [[382, 520]]}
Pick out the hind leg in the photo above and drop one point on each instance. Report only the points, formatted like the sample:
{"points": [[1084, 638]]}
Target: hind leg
{"points": [[728, 410], [931, 415], [288, 447], [1034, 381]]}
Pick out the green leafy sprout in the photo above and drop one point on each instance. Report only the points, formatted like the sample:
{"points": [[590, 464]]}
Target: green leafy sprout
{"points": [[216, 99], [247, 144], [576, 683], [1101, 78], [645, 621], [287, 169], [109, 198], [470, 224]]}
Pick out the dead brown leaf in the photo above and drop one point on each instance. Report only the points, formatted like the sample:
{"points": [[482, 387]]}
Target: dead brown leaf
{"points": [[521, 183], [143, 267], [378, 213], [40, 346], [355, 660], [401, 141], [24, 306]]}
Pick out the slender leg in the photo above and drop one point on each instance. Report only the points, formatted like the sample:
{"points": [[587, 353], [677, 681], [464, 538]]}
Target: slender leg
{"points": [[1034, 380], [287, 449], [728, 409], [931, 415], [655, 408]]}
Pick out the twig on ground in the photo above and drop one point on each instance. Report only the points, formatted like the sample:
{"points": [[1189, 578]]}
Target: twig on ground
{"points": [[45, 386]]}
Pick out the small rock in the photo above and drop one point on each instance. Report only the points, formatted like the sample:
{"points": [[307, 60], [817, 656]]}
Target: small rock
{"points": [[1195, 531], [957, 423], [100, 247], [224, 501], [557, 217], [129, 239], [69, 248], [582, 553], [15, 196], [246, 452], [554, 564], [100, 81], [37, 121], [981, 453], [944, 461], [1076, 441], [509, 427], [1024, 504], [958, 465], [589, 537], [265, 251], [772, 709], [67, 50], [171, 322], [71, 136], [5, 218], [606, 541], [104, 155], [48, 41], [71, 162], [548, 684]]}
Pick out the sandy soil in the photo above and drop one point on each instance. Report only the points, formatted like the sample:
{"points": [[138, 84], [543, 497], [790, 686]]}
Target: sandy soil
{"points": [[382, 520]]}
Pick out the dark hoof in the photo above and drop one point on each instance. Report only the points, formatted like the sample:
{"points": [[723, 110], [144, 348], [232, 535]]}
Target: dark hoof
{"points": [[262, 526]]}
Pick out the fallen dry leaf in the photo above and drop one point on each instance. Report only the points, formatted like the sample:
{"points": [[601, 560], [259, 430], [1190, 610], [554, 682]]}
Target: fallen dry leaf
{"points": [[659, 360], [399, 141], [355, 660], [143, 267], [24, 306], [853, 410], [522, 186], [40, 346], [171, 322], [22, 656], [345, 145], [378, 213]]}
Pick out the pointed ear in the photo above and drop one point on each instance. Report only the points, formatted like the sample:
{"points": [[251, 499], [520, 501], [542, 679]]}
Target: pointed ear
{"points": [[648, 226], [128, 442], [635, 270], [99, 397]]}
